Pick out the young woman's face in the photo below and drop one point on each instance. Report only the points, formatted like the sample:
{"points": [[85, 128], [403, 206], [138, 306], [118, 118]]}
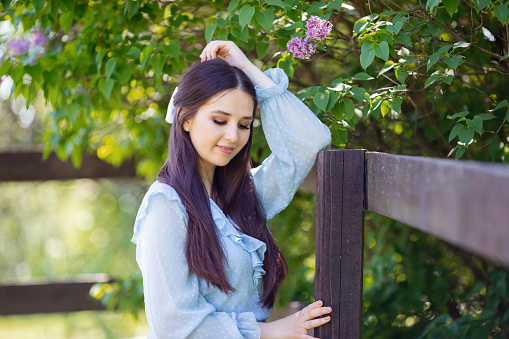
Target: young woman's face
{"points": [[221, 128]]}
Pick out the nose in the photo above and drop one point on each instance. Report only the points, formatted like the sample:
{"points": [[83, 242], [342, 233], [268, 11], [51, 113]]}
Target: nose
{"points": [[232, 134]]}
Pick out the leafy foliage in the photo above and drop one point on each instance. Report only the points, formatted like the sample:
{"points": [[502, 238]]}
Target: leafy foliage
{"points": [[406, 77]]}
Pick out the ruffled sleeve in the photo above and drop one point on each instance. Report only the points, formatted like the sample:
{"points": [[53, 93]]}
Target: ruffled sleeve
{"points": [[295, 136], [173, 303]]}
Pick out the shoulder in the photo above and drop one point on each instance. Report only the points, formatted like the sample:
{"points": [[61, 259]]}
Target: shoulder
{"points": [[160, 200]]}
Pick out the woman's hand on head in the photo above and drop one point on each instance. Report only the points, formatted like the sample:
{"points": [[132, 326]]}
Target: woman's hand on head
{"points": [[296, 325], [226, 50]]}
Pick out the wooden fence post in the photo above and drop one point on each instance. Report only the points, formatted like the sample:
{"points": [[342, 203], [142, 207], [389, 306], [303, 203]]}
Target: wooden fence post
{"points": [[340, 204]]}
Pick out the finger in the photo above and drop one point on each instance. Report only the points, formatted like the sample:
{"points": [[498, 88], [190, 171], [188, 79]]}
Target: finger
{"points": [[316, 322], [316, 304], [316, 312]]}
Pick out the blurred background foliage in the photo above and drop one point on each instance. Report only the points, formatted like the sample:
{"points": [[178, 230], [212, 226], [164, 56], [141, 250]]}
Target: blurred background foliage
{"points": [[403, 77]]}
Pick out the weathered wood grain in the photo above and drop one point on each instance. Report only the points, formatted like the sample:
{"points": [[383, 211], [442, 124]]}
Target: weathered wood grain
{"points": [[50, 297], [29, 166], [462, 202], [339, 240]]}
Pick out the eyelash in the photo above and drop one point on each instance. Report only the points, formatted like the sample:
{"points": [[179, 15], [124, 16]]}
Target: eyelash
{"points": [[224, 123]]}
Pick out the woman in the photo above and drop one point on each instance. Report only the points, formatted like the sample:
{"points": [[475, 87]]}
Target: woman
{"points": [[210, 266]]}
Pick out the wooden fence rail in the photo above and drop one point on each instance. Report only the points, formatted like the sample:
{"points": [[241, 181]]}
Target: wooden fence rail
{"points": [[464, 203], [51, 297]]}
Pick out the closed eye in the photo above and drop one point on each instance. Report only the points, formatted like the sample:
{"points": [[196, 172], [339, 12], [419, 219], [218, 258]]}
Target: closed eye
{"points": [[220, 122], [224, 123]]}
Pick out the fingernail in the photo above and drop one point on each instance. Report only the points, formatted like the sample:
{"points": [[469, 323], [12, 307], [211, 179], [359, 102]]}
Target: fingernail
{"points": [[320, 302]]}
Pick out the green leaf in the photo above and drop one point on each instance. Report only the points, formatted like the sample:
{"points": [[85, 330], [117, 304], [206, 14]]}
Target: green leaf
{"points": [[504, 57], [382, 51], [358, 93], [233, 6], [454, 132], [367, 58], [209, 31], [133, 53], [396, 103], [110, 67], [4, 67], [261, 50], [360, 25], [466, 134], [385, 107], [38, 5], [106, 86], [245, 15], [451, 6], [265, 19], [458, 115], [431, 79], [459, 154], [403, 39], [321, 100], [461, 44], [479, 5], [220, 22], [65, 21], [362, 76], [486, 116], [454, 61], [279, 3], [501, 104], [335, 5], [173, 49], [477, 124], [131, 8], [347, 108], [507, 115], [333, 98], [444, 49], [145, 56], [447, 78], [158, 64], [401, 75], [124, 73], [433, 59], [395, 28], [339, 136], [431, 4]]}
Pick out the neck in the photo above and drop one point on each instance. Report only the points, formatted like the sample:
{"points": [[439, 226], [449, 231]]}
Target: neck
{"points": [[207, 176]]}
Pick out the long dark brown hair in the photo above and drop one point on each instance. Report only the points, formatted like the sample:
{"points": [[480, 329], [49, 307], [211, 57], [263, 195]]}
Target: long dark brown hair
{"points": [[232, 188]]}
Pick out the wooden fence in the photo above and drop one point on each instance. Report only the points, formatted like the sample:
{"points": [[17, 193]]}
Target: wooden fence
{"points": [[50, 297], [455, 201]]}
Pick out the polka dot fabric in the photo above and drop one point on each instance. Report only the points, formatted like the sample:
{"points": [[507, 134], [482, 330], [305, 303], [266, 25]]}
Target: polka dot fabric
{"points": [[178, 304]]}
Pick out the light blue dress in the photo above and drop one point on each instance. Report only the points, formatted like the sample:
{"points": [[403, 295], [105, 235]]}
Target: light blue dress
{"points": [[178, 303]]}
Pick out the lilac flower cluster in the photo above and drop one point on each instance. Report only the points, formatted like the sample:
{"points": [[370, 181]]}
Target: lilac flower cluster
{"points": [[301, 48], [22, 45], [317, 30], [19, 46]]}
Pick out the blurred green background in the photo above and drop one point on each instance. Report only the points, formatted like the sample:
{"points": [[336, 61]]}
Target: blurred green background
{"points": [[405, 77]]}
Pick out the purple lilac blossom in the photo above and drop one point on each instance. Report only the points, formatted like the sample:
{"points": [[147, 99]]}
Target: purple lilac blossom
{"points": [[19, 46], [318, 29], [39, 38], [301, 48]]}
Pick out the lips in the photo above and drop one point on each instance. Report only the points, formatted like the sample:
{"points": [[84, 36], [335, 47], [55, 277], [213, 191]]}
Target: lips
{"points": [[225, 149]]}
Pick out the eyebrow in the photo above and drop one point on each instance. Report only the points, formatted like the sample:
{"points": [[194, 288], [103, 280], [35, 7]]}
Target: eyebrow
{"points": [[218, 111]]}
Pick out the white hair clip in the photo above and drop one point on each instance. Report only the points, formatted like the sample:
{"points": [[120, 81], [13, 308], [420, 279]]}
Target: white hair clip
{"points": [[170, 113]]}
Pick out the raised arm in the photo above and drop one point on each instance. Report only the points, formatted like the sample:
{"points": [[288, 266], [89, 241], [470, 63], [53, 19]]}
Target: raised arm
{"points": [[293, 132]]}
